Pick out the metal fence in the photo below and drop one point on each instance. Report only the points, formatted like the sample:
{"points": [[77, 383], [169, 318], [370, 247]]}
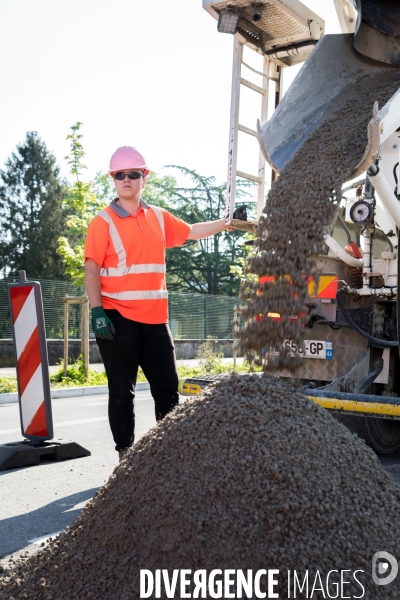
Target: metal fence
{"points": [[199, 316], [191, 316]]}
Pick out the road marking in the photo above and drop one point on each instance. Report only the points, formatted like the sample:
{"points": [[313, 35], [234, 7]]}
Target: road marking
{"points": [[64, 424], [101, 403], [4, 431], [69, 423], [44, 539], [80, 422]]}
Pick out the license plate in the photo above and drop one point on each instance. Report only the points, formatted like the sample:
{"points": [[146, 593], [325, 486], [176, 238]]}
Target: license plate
{"points": [[312, 349]]}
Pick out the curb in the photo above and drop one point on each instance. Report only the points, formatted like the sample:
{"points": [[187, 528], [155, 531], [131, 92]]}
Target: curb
{"points": [[71, 392]]}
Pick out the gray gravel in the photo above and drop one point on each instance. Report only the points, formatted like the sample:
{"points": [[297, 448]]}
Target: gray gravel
{"points": [[251, 476]]}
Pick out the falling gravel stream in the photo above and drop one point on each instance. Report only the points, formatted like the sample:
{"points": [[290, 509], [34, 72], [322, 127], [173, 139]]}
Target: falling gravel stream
{"points": [[301, 205]]}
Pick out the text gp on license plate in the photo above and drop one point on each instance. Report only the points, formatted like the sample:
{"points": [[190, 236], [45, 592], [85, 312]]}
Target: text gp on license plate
{"points": [[312, 349]]}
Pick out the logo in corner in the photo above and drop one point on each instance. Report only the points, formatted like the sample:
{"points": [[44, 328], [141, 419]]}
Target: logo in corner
{"points": [[384, 568]]}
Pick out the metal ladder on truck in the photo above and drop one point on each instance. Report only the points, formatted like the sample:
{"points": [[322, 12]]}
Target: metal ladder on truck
{"points": [[284, 33], [270, 72]]}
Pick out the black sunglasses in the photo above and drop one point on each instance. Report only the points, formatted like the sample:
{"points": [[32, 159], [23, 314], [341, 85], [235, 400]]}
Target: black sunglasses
{"points": [[120, 176]]}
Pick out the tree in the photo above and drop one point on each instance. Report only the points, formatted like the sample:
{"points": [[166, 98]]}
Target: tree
{"points": [[160, 190], [103, 187], [200, 265], [32, 212], [84, 201]]}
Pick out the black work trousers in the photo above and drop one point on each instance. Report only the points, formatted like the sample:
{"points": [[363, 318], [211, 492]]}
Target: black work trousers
{"points": [[137, 344]]}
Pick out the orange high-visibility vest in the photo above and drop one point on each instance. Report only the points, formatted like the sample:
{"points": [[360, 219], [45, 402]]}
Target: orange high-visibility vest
{"points": [[130, 250]]}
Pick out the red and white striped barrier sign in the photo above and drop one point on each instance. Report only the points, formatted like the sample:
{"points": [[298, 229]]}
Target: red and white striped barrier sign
{"points": [[31, 359]]}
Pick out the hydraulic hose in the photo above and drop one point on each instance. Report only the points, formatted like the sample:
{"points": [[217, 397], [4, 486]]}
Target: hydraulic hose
{"points": [[341, 253], [317, 320], [375, 342], [293, 50], [395, 178], [344, 226], [397, 298], [388, 198], [385, 237], [354, 185]]}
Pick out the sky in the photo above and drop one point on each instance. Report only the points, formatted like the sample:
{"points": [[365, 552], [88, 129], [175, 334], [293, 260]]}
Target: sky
{"points": [[155, 75]]}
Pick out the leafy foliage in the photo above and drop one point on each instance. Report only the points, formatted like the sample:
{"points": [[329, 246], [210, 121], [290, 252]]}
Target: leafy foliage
{"points": [[239, 268], [103, 187], [201, 265], [210, 358], [8, 385], [32, 211], [77, 376], [84, 201], [159, 190]]}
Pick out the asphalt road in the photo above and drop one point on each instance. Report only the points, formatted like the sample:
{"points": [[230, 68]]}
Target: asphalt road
{"points": [[36, 502]]}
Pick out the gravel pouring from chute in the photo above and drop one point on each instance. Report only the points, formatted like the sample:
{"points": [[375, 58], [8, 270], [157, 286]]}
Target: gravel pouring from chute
{"points": [[301, 205]]}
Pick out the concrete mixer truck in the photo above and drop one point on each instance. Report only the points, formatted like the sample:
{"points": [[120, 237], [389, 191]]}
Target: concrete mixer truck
{"points": [[350, 361]]}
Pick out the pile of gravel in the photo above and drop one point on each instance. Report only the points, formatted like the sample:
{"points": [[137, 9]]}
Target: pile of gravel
{"points": [[251, 476], [302, 203]]}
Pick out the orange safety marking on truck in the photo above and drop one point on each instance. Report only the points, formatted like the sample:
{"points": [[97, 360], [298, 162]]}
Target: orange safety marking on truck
{"points": [[327, 287]]}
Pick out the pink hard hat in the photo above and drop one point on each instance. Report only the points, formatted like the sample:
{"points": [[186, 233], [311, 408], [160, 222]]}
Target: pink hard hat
{"points": [[127, 157]]}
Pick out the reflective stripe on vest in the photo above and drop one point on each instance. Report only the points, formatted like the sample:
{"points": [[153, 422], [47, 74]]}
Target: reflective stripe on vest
{"points": [[122, 269], [142, 295], [135, 269]]}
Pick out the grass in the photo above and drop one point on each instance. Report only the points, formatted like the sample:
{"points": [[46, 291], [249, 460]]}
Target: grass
{"points": [[7, 385], [76, 375]]}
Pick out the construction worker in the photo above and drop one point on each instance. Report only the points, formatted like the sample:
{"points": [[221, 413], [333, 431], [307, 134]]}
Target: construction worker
{"points": [[125, 283]]}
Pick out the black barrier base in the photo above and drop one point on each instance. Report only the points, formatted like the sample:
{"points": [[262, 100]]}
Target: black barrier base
{"points": [[15, 455]]}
